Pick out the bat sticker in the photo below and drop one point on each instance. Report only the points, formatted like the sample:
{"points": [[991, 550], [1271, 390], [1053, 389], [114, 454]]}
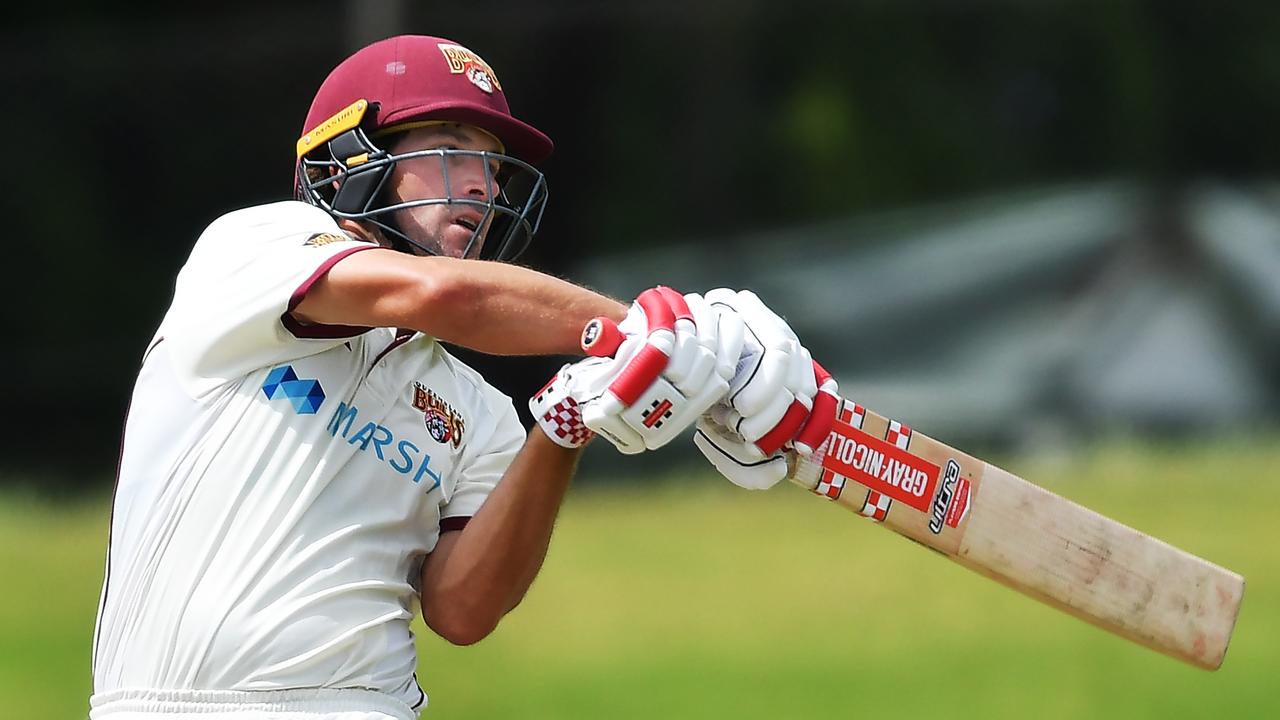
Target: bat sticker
{"points": [[959, 504], [946, 492], [880, 466]]}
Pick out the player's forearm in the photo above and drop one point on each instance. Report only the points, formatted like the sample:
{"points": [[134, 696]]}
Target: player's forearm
{"points": [[489, 566], [505, 309], [492, 307]]}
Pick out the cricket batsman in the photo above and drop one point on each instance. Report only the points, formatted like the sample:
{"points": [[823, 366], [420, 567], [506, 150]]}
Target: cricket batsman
{"points": [[305, 465]]}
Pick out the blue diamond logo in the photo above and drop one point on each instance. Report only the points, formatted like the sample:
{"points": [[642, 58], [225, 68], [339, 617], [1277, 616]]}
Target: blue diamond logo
{"points": [[277, 376], [305, 395]]}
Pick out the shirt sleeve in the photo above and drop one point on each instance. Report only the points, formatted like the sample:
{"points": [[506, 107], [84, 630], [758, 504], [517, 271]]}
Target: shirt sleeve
{"points": [[486, 467], [230, 313]]}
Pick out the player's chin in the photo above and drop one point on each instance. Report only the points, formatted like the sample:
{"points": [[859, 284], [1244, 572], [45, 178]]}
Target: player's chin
{"points": [[456, 240]]}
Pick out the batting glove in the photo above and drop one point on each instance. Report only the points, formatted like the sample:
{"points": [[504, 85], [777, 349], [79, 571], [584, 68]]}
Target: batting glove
{"points": [[742, 462], [655, 384], [780, 399]]}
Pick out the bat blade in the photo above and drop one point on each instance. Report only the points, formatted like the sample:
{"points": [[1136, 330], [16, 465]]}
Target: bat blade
{"points": [[1032, 540]]}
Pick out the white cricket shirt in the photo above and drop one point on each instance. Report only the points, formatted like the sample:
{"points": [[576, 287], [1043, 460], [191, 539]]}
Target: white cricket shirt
{"points": [[280, 484]]}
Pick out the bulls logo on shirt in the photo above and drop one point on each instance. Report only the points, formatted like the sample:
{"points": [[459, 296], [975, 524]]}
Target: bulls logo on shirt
{"points": [[444, 424], [322, 239]]}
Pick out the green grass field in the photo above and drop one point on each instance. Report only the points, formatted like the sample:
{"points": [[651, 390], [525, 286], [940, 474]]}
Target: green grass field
{"points": [[692, 599]]}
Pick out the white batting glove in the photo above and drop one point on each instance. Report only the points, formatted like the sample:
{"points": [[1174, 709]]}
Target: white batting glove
{"points": [[773, 390], [743, 463], [558, 406], [558, 414], [736, 459], [653, 387], [780, 399], [720, 331]]}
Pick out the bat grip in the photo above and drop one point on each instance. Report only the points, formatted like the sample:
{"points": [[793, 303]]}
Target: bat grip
{"points": [[601, 337], [661, 306]]}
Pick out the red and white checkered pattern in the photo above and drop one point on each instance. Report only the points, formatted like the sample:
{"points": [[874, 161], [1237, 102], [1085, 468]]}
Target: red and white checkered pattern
{"points": [[899, 435], [876, 506], [830, 485], [564, 420], [853, 414], [559, 415]]}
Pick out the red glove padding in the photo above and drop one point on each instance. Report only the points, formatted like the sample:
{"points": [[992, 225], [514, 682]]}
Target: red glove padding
{"points": [[650, 378], [817, 426], [651, 314]]}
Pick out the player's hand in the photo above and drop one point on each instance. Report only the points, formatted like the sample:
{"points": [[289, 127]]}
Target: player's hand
{"points": [[693, 378], [656, 383], [555, 408], [779, 397], [742, 462], [735, 458]]}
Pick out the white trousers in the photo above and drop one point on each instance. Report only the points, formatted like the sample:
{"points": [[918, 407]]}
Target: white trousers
{"points": [[312, 704]]}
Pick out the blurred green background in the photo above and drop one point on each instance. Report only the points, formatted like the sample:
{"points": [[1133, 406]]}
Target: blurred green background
{"points": [[1045, 232], [689, 598]]}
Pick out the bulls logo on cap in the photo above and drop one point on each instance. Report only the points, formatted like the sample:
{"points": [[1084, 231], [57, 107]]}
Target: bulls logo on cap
{"points": [[464, 62]]}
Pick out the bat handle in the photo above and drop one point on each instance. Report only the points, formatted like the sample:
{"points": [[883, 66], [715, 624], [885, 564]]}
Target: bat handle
{"points": [[601, 337], [662, 308]]}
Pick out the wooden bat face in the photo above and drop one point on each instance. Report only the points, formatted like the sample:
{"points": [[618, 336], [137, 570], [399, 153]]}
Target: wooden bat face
{"points": [[1026, 537]]}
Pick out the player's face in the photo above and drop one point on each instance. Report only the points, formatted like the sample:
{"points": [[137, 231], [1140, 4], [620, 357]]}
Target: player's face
{"points": [[447, 227]]}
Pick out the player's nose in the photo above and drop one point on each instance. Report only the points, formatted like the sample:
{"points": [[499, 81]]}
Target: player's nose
{"points": [[474, 181], [478, 188]]}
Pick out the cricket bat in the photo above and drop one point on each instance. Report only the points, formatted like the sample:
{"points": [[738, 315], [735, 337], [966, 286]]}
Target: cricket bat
{"points": [[1012, 531], [1038, 543]]}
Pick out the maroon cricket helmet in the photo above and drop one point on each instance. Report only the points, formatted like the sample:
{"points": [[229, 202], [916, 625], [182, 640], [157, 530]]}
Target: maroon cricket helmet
{"points": [[417, 77], [394, 84]]}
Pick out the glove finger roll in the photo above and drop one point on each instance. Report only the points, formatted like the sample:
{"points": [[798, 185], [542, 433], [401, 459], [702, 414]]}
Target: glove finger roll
{"points": [[802, 381], [818, 426], [763, 385], [754, 426], [786, 429]]}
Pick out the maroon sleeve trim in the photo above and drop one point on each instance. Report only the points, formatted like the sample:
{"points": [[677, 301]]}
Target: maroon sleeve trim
{"points": [[300, 330], [450, 524]]}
